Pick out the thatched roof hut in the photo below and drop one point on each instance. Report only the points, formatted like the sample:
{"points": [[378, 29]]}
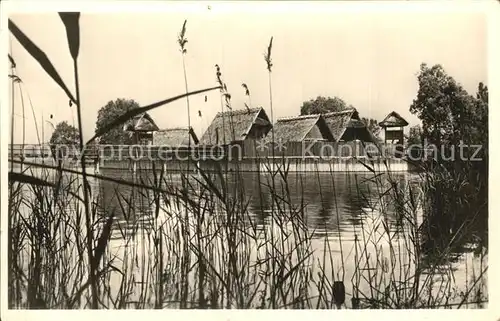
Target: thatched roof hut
{"points": [[141, 123], [175, 137], [346, 125], [236, 126], [301, 128], [393, 120]]}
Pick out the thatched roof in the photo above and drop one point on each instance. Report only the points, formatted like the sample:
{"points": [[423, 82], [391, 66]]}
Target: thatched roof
{"points": [[339, 121], [296, 129], [141, 123], [175, 137], [393, 120], [234, 126], [347, 124]]}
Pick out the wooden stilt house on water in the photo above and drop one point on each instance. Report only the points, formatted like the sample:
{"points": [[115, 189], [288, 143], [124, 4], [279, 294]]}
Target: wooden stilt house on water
{"points": [[346, 125], [322, 142], [291, 133], [175, 137], [349, 130], [393, 125], [141, 128], [302, 128], [236, 126], [236, 132], [180, 142], [302, 143], [335, 134]]}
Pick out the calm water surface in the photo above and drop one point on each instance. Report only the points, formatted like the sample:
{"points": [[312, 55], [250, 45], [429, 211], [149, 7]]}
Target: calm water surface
{"points": [[338, 208], [333, 203]]}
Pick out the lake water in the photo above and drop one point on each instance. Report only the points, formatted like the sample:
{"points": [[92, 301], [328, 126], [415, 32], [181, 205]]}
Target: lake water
{"points": [[356, 235], [344, 214], [333, 204]]}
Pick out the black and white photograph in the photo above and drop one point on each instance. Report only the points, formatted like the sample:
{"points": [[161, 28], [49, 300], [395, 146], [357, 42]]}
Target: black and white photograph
{"points": [[245, 155]]}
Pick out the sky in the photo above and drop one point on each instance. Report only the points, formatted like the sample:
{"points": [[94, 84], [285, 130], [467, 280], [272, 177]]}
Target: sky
{"points": [[370, 60]]}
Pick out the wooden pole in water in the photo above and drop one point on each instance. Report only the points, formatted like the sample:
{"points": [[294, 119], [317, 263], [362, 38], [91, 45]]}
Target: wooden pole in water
{"points": [[43, 136], [339, 293]]}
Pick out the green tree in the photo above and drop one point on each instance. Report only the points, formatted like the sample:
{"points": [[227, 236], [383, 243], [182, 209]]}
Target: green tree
{"points": [[415, 135], [64, 134], [109, 112], [64, 139], [481, 114], [482, 93], [457, 190], [448, 113], [322, 105], [372, 125]]}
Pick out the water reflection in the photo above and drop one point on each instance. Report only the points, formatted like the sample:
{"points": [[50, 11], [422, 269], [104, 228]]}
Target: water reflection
{"points": [[132, 207], [331, 202]]}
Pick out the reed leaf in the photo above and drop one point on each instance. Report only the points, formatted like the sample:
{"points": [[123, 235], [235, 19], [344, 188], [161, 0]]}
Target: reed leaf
{"points": [[103, 240], [282, 280], [371, 169], [23, 178], [99, 177], [247, 92], [12, 62], [28, 179], [39, 56], [210, 186], [71, 22], [137, 111], [15, 79]]}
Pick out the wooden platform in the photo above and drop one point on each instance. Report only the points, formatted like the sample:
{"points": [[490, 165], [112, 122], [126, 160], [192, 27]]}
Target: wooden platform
{"points": [[264, 165]]}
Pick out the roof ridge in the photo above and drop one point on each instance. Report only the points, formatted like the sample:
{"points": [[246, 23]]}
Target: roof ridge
{"points": [[345, 111], [394, 114], [290, 118], [239, 111], [174, 128]]}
